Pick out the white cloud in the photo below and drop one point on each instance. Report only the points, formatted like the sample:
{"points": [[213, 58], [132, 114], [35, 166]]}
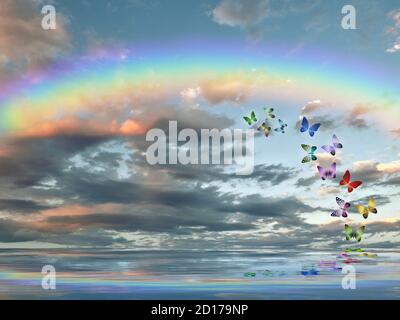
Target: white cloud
{"points": [[311, 106], [390, 167], [395, 48], [189, 96], [394, 30], [244, 14]]}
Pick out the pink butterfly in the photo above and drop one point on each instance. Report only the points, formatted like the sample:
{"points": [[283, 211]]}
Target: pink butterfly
{"points": [[344, 206]]}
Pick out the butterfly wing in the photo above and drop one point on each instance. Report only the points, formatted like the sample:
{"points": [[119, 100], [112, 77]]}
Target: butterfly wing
{"points": [[362, 210], [306, 147], [348, 232], [346, 178], [312, 151], [333, 170], [329, 149], [322, 172], [253, 116], [336, 213], [270, 112], [304, 125], [265, 128], [372, 206], [340, 202], [282, 124], [248, 120], [354, 185], [344, 213], [306, 159], [313, 129], [336, 142], [359, 233]]}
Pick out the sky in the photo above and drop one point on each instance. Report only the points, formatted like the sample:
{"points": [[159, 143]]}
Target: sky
{"points": [[76, 104]]}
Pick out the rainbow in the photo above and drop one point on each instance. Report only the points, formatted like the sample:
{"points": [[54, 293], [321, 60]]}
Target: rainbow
{"points": [[83, 83]]}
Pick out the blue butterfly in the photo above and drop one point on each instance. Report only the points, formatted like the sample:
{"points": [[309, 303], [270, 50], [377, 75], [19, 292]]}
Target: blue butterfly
{"points": [[282, 126], [306, 127]]}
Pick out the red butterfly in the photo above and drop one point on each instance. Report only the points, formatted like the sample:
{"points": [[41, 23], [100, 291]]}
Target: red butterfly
{"points": [[350, 185]]}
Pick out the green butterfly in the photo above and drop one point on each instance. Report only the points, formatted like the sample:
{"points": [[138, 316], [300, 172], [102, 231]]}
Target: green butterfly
{"points": [[356, 234], [269, 112], [252, 119], [353, 250], [311, 153], [265, 128]]}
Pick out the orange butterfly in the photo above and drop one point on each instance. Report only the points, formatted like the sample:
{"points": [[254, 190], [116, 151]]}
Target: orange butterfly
{"points": [[350, 185]]}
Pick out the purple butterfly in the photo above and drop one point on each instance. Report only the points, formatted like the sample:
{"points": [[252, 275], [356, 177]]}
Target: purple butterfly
{"points": [[328, 173], [335, 145], [344, 206]]}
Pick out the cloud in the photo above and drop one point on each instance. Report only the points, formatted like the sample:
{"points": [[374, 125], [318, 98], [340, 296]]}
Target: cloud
{"points": [[244, 14], [354, 118], [394, 31], [273, 174], [226, 89], [23, 42], [381, 173], [395, 48], [73, 126], [306, 182], [21, 205], [314, 110], [190, 95], [390, 167], [367, 171], [310, 107], [396, 132], [323, 191]]}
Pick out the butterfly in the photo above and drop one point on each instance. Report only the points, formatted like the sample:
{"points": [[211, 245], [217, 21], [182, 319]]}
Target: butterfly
{"points": [[356, 234], [328, 173], [350, 185], [366, 210], [311, 153], [265, 128], [344, 206], [269, 112], [252, 119], [282, 126], [306, 127], [335, 145]]}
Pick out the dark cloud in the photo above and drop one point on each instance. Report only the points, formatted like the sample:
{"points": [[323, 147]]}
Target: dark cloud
{"points": [[38, 159], [18, 205], [149, 223], [306, 182], [11, 231]]}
